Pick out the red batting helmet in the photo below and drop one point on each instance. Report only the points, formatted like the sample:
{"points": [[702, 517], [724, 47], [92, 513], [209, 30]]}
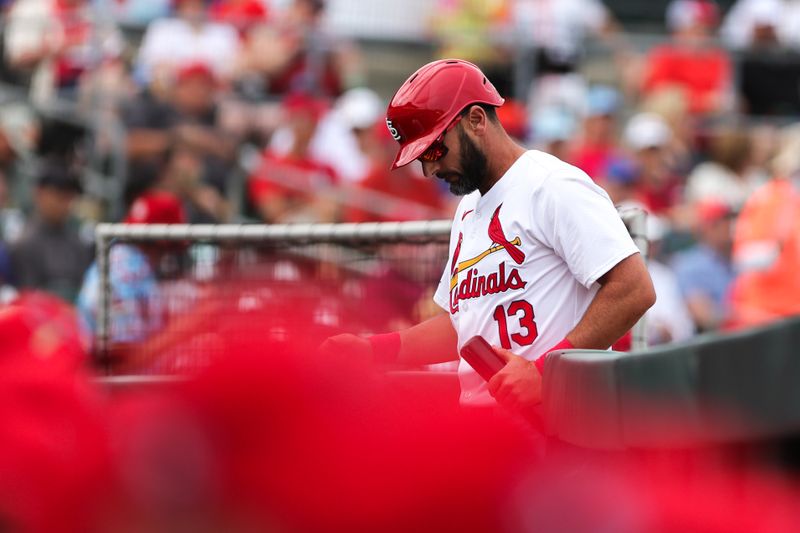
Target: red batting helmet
{"points": [[430, 100]]}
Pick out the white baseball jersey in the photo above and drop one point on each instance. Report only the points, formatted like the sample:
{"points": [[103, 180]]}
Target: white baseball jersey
{"points": [[525, 259]]}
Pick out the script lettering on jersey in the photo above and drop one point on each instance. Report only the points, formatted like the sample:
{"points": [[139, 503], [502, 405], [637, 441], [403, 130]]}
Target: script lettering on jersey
{"points": [[475, 285]]}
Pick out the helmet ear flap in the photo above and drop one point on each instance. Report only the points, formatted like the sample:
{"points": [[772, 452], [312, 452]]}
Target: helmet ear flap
{"points": [[430, 99]]}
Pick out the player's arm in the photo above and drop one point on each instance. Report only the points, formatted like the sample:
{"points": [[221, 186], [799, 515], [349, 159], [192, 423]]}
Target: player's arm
{"points": [[625, 294], [429, 342]]}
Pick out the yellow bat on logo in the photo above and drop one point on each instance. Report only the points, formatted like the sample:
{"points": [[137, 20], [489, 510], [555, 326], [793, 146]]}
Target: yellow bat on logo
{"points": [[467, 263]]}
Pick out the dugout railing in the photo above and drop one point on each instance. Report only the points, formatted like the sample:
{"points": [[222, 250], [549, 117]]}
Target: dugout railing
{"points": [[716, 389], [349, 244]]}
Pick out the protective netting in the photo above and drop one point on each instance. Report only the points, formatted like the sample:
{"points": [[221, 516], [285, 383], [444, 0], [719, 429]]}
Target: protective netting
{"points": [[168, 296], [179, 315]]}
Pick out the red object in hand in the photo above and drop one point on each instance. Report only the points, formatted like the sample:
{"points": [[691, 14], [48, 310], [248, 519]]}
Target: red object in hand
{"points": [[482, 357]]}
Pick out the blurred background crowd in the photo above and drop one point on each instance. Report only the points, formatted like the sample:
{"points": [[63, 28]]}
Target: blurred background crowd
{"points": [[209, 111], [212, 111]]}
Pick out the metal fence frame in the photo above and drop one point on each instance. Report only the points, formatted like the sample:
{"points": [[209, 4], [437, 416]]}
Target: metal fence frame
{"points": [[419, 231]]}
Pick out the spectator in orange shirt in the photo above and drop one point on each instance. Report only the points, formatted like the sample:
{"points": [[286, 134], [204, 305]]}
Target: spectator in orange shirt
{"points": [[766, 249], [691, 61]]}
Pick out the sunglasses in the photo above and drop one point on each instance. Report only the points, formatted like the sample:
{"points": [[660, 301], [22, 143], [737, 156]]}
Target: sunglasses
{"points": [[437, 149]]}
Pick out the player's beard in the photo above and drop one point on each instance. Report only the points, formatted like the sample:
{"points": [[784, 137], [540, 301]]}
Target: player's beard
{"points": [[474, 166]]}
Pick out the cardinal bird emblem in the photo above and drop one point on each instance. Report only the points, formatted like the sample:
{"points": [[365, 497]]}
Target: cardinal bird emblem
{"points": [[498, 237], [499, 243]]}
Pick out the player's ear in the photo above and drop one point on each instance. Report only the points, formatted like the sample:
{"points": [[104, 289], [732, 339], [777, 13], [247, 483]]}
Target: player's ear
{"points": [[476, 120]]}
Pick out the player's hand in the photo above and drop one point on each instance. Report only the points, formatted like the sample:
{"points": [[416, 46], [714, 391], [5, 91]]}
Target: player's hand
{"points": [[518, 385], [347, 347]]}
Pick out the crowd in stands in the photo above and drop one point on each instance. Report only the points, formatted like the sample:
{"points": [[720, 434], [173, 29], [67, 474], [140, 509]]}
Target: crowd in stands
{"points": [[213, 111], [252, 110]]}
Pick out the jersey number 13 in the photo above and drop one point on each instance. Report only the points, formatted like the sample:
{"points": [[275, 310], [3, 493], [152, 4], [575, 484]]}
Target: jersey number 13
{"points": [[523, 311]]}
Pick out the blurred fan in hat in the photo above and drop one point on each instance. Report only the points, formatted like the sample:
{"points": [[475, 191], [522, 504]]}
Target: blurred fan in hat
{"points": [[648, 136], [705, 271], [181, 131], [135, 291], [291, 185], [50, 254]]}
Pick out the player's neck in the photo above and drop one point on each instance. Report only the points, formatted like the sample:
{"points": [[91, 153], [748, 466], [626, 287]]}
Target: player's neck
{"points": [[501, 156]]}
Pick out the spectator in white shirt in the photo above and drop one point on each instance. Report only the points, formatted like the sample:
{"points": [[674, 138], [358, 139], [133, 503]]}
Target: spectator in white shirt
{"points": [[57, 43], [187, 38], [752, 23]]}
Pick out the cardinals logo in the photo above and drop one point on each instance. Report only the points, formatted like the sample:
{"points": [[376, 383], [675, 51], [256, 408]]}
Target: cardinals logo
{"points": [[499, 243], [474, 286]]}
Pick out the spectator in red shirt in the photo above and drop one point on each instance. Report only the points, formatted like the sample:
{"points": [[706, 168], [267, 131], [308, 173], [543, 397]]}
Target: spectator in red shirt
{"points": [[691, 61], [294, 187]]}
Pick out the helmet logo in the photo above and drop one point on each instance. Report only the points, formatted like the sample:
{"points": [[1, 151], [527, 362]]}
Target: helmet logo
{"points": [[393, 131]]}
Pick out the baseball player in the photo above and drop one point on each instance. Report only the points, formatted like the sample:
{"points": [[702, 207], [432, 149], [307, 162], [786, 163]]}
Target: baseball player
{"points": [[539, 258]]}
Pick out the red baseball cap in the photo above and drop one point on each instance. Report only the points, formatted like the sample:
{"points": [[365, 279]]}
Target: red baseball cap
{"points": [[195, 69], [709, 211], [298, 103], [156, 207]]}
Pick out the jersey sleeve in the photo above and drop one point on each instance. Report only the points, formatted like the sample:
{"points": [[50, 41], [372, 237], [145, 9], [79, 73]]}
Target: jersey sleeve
{"points": [[576, 218]]}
